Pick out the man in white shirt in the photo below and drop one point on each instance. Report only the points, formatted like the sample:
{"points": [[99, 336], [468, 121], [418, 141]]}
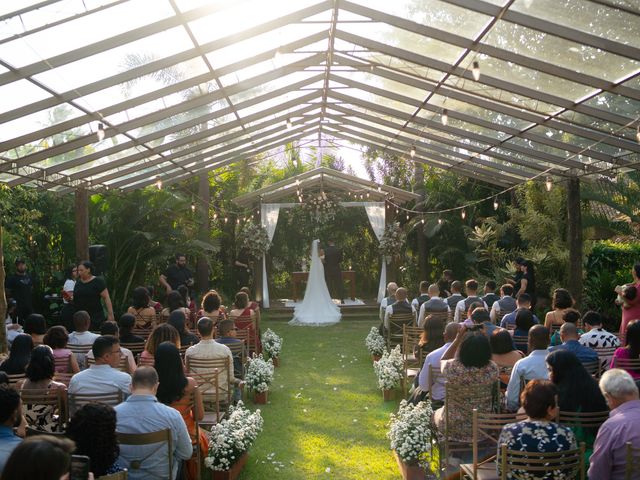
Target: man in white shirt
{"points": [[596, 337], [529, 368], [433, 305], [111, 328], [422, 297], [82, 335], [506, 303], [433, 359], [392, 287], [401, 305], [471, 287]]}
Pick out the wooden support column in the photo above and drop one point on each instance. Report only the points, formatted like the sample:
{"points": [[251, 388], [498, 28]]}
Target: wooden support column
{"points": [[422, 239], [202, 207], [3, 298], [574, 221], [82, 223]]}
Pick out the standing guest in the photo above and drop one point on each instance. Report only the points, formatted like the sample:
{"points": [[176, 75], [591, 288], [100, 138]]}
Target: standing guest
{"points": [[174, 302], [490, 295], [13, 328], [241, 269], [19, 355], [538, 432], [523, 302], [10, 418], [39, 373], [435, 304], [524, 322], [561, 301], [631, 308], [517, 278], [20, 286], [455, 296], [401, 305], [126, 323], [503, 353], [142, 413], [388, 300], [596, 336], [111, 328], [177, 321], [505, 304], [423, 296], [444, 284], [631, 351], [210, 307], [162, 333], [57, 338], [228, 336], [145, 316], [180, 392], [36, 326], [529, 368], [609, 458], [528, 281], [70, 275], [89, 294], [569, 336], [93, 430], [177, 274], [572, 316], [42, 457]]}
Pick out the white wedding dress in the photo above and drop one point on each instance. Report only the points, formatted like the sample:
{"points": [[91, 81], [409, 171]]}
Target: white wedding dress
{"points": [[316, 308]]}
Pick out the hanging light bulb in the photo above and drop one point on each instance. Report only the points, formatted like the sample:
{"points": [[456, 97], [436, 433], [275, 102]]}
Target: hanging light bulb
{"points": [[215, 216], [193, 207], [413, 152], [407, 216], [475, 71], [159, 183], [289, 125], [367, 194], [463, 213], [226, 219], [495, 203], [549, 183], [100, 132], [422, 220], [237, 221], [445, 117], [439, 221]]}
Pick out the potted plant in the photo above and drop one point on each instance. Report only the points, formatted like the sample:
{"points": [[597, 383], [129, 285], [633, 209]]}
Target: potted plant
{"points": [[375, 344], [272, 345], [410, 434], [230, 440], [258, 377], [389, 370]]}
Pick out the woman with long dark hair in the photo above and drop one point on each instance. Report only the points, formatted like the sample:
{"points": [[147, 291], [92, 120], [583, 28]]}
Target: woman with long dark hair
{"points": [[144, 314], [174, 302], [528, 281], [178, 321], [177, 391], [36, 326], [19, 355], [631, 350], [162, 333]]}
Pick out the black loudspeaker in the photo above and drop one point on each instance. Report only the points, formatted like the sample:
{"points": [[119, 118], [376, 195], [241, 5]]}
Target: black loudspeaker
{"points": [[100, 258]]}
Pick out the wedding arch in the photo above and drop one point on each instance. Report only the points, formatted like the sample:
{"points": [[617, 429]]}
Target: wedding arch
{"points": [[321, 181]]}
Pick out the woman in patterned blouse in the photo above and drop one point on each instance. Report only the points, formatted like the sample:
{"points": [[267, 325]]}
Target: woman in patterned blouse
{"points": [[538, 433]]}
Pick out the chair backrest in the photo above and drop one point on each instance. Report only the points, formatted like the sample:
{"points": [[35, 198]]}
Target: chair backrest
{"points": [[566, 464], [77, 400], [459, 401], [244, 334], [206, 372], [141, 332], [63, 362], [633, 461], [410, 341], [16, 379], [247, 323], [56, 398], [627, 363], [138, 439], [593, 368], [79, 349], [435, 374], [396, 324], [135, 347], [583, 419], [521, 340], [123, 366], [146, 361], [122, 475], [239, 349], [63, 377]]}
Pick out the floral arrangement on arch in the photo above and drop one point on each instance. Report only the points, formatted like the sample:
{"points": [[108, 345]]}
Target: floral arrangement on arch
{"points": [[393, 240], [254, 239], [259, 373], [321, 207], [375, 342], [271, 343], [232, 437], [410, 432], [390, 369]]}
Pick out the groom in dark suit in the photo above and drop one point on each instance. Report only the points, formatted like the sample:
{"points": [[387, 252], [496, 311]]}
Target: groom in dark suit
{"points": [[332, 270]]}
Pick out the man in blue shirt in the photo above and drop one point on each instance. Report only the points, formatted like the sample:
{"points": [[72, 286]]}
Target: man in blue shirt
{"points": [[142, 413], [509, 320], [10, 417], [569, 336]]}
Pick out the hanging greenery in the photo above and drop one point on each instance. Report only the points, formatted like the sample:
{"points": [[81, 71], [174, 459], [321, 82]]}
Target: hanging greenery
{"points": [[393, 240], [321, 208], [254, 239]]}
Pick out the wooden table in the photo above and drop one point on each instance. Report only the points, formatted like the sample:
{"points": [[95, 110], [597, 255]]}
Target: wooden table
{"points": [[299, 277]]}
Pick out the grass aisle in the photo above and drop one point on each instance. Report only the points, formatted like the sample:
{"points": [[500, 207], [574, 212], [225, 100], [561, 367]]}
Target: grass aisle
{"points": [[326, 419]]}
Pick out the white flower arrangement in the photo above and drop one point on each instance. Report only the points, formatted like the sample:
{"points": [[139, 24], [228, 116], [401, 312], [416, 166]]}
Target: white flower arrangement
{"points": [[259, 373], [410, 431], [375, 342], [271, 343], [322, 208], [392, 240], [254, 239], [390, 369], [231, 437]]}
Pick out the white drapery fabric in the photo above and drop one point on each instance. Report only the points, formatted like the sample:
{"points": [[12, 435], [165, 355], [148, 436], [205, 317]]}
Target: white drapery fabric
{"points": [[376, 214], [269, 213]]}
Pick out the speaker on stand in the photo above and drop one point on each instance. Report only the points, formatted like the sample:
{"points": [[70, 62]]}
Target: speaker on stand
{"points": [[99, 256]]}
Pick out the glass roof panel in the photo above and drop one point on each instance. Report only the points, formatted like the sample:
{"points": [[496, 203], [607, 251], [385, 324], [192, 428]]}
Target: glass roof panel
{"points": [[610, 102], [581, 142], [35, 121], [14, 94], [386, 61], [598, 124]]}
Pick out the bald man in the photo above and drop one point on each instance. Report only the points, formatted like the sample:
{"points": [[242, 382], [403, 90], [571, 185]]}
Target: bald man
{"points": [[401, 305]]}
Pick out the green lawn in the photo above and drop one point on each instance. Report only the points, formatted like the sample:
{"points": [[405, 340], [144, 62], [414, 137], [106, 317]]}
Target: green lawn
{"points": [[325, 412]]}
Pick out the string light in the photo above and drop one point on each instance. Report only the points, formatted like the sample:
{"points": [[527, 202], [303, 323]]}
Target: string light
{"points": [[549, 183], [463, 213], [445, 117], [422, 220], [495, 203], [289, 125], [193, 207], [407, 216], [237, 221], [226, 219], [439, 221], [100, 132], [413, 152], [159, 183], [367, 194], [476, 71], [215, 216]]}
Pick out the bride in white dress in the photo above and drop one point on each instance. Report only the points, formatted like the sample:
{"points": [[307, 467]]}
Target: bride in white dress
{"points": [[316, 308]]}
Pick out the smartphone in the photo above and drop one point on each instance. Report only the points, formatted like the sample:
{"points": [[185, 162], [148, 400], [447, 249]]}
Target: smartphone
{"points": [[80, 467]]}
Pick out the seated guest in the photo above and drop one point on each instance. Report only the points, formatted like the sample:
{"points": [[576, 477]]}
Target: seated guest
{"points": [[252, 305], [242, 310], [36, 326], [189, 303], [503, 352], [401, 305], [523, 302], [142, 413], [524, 322], [178, 321], [433, 360], [431, 336], [596, 336], [145, 315], [39, 373], [609, 458], [103, 377], [93, 430], [157, 306], [538, 432], [572, 316], [57, 338], [422, 297], [210, 307], [111, 328], [456, 295], [435, 304], [42, 457], [490, 297], [10, 418], [471, 287], [126, 323], [505, 304], [174, 302], [569, 336], [228, 336], [532, 367], [390, 299], [81, 335], [632, 349], [472, 367], [480, 316], [19, 355], [162, 333], [177, 390], [560, 302]]}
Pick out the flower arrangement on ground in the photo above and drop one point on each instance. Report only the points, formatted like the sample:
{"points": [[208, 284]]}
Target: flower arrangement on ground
{"points": [[259, 373], [375, 342], [392, 240], [271, 343], [410, 432], [232, 437], [321, 208], [389, 369], [254, 239]]}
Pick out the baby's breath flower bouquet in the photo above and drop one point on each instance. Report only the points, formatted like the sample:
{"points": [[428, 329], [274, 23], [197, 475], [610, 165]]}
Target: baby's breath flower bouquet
{"points": [[232, 437], [259, 373], [271, 343], [410, 432], [321, 208], [389, 369], [254, 239], [375, 342], [392, 240]]}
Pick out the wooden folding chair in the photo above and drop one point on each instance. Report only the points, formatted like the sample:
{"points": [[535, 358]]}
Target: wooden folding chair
{"points": [[80, 352], [145, 361], [122, 475], [626, 363], [605, 355], [78, 400], [63, 378], [582, 419], [135, 347], [520, 341], [435, 375], [16, 380], [142, 332], [123, 366], [63, 362], [195, 438], [394, 330], [239, 350], [633, 462], [566, 464], [410, 346], [54, 398], [140, 439], [246, 322], [207, 372], [593, 368]]}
